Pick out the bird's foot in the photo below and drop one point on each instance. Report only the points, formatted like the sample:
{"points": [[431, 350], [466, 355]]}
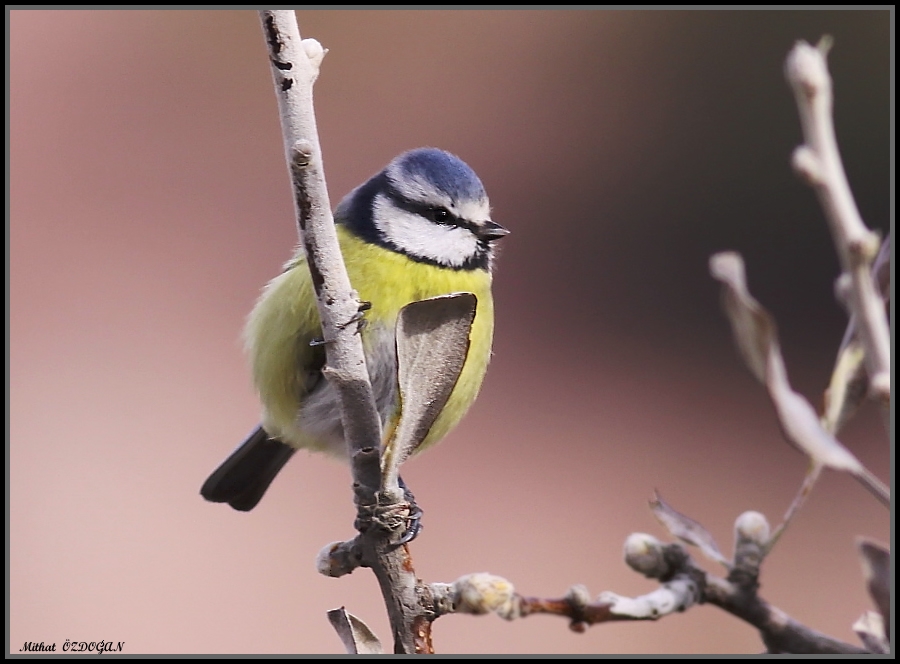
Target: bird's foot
{"points": [[359, 317], [414, 520]]}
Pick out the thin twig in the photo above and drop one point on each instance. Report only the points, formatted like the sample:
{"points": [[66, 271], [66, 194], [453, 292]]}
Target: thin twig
{"points": [[819, 161], [682, 585], [295, 67]]}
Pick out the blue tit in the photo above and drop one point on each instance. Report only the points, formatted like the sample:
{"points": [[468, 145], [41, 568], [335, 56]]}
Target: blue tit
{"points": [[420, 228]]}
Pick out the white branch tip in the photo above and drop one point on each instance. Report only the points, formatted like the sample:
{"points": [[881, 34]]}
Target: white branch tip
{"points": [[806, 66], [728, 266]]}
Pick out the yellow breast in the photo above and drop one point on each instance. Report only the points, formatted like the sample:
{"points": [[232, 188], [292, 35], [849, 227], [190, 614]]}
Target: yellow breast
{"points": [[285, 320]]}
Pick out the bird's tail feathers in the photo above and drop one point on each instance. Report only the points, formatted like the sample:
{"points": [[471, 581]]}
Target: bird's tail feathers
{"points": [[243, 477]]}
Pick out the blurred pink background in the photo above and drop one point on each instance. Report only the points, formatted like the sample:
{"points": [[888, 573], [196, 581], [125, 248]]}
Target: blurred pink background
{"points": [[150, 203]]}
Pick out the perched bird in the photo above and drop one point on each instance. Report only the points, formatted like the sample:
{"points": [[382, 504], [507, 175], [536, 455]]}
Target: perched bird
{"points": [[418, 229]]}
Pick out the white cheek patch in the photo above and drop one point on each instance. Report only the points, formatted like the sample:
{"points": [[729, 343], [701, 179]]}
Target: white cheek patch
{"points": [[449, 245]]}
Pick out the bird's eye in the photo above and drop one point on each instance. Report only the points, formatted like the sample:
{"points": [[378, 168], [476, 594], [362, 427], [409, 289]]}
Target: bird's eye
{"points": [[439, 215]]}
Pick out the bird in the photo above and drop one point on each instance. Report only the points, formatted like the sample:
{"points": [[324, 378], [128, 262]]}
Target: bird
{"points": [[419, 228]]}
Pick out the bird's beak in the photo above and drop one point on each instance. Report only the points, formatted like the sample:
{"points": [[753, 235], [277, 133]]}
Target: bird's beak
{"points": [[491, 230]]}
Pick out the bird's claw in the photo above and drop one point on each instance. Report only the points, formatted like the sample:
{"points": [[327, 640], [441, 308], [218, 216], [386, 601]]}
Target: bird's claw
{"points": [[359, 317], [414, 520]]}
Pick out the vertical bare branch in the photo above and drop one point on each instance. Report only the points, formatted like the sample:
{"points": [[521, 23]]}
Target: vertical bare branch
{"points": [[819, 161], [295, 67]]}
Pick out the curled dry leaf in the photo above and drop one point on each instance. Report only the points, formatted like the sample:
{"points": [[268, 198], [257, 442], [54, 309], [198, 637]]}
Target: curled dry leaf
{"points": [[870, 630], [686, 529], [356, 636], [432, 345], [849, 384], [756, 336], [876, 563]]}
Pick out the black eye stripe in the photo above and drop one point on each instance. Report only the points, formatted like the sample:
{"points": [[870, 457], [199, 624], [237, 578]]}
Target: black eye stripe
{"points": [[439, 215], [430, 212], [421, 209]]}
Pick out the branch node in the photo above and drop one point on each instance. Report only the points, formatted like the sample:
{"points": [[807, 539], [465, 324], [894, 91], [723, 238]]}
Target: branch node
{"points": [[578, 627], [843, 288], [644, 554], [443, 597], [677, 560], [301, 154], [880, 388], [807, 165], [314, 51], [579, 597], [863, 248]]}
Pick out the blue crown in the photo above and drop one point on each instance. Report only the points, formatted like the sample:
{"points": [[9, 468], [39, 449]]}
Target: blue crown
{"points": [[445, 171]]}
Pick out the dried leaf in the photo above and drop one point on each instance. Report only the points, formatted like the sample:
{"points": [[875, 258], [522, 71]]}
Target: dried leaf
{"points": [[848, 387], [849, 383], [686, 529], [756, 336], [881, 269], [802, 427], [356, 636], [432, 345], [876, 563], [753, 327]]}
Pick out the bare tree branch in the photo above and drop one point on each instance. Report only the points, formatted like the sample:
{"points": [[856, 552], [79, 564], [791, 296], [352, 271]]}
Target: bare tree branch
{"points": [[682, 586], [295, 67], [780, 632], [756, 336]]}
